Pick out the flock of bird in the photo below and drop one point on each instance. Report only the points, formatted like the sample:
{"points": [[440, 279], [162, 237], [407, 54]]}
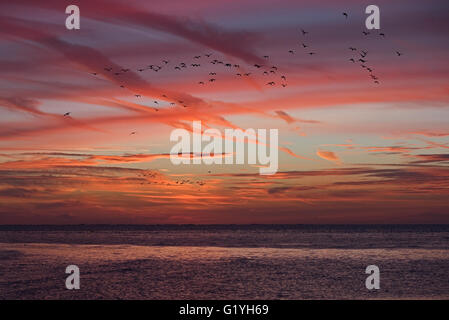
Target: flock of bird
{"points": [[267, 70], [150, 177]]}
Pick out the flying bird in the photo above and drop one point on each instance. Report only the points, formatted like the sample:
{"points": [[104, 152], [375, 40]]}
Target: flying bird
{"points": [[365, 33], [291, 51], [304, 32], [66, 114], [304, 45], [398, 53], [345, 14]]}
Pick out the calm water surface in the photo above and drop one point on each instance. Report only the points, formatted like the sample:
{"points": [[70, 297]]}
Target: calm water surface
{"points": [[224, 262]]}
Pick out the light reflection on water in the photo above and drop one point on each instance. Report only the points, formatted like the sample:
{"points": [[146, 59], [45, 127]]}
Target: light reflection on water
{"points": [[91, 253]]}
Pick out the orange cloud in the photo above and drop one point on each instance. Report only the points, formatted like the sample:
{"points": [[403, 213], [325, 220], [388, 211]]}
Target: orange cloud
{"points": [[329, 156]]}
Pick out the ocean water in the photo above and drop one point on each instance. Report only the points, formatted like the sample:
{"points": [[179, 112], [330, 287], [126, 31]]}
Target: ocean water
{"points": [[225, 262]]}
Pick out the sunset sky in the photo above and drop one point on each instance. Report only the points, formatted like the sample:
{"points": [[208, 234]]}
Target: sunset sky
{"points": [[350, 150]]}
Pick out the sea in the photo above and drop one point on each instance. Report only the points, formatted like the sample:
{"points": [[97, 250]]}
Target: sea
{"points": [[274, 262]]}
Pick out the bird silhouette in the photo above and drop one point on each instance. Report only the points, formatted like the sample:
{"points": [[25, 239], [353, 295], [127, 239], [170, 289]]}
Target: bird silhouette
{"points": [[291, 51], [345, 14], [304, 45], [137, 95], [304, 32], [382, 34], [365, 33], [352, 60], [398, 53], [312, 53], [258, 66], [352, 48], [266, 57], [134, 132], [66, 114]]}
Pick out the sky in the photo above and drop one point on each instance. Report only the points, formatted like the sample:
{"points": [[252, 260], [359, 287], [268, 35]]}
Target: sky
{"points": [[86, 115]]}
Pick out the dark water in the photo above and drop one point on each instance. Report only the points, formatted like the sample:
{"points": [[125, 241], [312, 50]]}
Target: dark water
{"points": [[224, 262]]}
